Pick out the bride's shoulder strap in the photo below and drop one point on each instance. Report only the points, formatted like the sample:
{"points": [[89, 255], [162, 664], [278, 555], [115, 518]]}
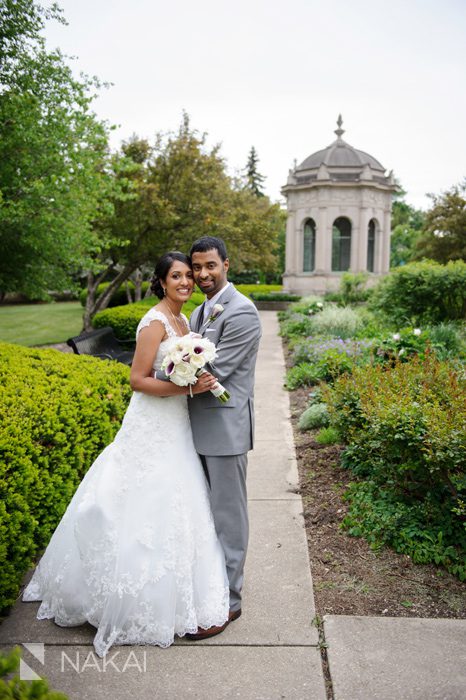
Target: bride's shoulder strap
{"points": [[154, 315]]}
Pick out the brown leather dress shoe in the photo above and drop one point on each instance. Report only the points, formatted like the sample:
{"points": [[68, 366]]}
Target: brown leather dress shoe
{"points": [[212, 631]]}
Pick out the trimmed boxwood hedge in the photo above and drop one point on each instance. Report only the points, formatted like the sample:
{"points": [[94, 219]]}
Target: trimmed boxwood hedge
{"points": [[57, 412], [124, 319]]}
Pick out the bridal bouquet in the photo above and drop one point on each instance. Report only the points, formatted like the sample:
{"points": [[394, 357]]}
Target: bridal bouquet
{"points": [[185, 361]]}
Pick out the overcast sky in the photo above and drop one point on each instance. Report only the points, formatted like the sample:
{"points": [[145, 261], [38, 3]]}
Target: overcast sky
{"points": [[277, 74]]}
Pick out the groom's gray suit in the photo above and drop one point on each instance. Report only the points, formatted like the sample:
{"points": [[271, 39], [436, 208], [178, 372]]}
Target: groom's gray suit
{"points": [[224, 433]]}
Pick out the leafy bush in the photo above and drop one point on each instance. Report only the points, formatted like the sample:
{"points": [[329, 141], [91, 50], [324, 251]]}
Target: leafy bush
{"points": [[17, 689], [119, 296], [405, 430], [296, 324], [423, 293], [305, 374], [352, 287], [330, 365], [57, 412], [340, 322], [315, 416]]}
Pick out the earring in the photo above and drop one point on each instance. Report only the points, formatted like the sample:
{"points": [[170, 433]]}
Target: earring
{"points": [[164, 291]]}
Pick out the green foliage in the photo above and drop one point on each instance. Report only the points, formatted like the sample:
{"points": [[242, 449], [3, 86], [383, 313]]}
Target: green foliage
{"points": [[315, 416], [119, 296], [16, 689], [352, 287], [405, 430], [403, 244], [424, 531], [444, 236], [328, 436], [274, 296], [124, 319], [305, 374], [295, 325], [254, 180], [51, 150], [57, 412], [422, 293], [339, 322]]}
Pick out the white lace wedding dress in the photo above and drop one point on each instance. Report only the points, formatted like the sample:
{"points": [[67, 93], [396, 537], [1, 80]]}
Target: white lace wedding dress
{"points": [[136, 553]]}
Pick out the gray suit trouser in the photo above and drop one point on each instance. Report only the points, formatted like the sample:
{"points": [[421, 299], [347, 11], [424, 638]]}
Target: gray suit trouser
{"points": [[228, 497]]}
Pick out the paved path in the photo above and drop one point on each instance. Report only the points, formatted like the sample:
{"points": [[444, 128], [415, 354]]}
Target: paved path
{"points": [[271, 652]]}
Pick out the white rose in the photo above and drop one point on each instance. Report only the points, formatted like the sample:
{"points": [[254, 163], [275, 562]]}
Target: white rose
{"points": [[218, 308], [417, 331], [396, 336], [184, 374]]}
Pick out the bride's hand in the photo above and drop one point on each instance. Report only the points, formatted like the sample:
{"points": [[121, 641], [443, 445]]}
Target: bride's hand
{"points": [[205, 382]]}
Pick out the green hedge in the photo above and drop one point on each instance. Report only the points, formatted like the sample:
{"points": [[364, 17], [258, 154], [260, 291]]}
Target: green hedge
{"points": [[420, 293], [274, 296], [118, 297], [57, 412], [124, 319], [405, 431]]}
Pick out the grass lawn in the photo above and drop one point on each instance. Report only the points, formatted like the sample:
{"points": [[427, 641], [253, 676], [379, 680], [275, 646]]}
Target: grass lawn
{"points": [[40, 324]]}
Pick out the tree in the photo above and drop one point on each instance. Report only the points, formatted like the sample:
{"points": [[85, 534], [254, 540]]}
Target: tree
{"points": [[407, 224], [254, 179], [164, 197], [444, 236], [51, 146]]}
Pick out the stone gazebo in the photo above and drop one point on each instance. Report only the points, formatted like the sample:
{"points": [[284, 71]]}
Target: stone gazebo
{"points": [[339, 212]]}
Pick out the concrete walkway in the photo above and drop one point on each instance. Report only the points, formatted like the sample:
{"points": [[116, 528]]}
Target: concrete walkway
{"points": [[272, 651]]}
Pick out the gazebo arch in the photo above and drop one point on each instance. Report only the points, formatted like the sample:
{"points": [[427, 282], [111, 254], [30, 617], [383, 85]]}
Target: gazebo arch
{"points": [[372, 241], [309, 245], [341, 244]]}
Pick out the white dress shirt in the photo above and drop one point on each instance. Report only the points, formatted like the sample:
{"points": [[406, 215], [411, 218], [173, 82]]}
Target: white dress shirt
{"points": [[210, 303]]}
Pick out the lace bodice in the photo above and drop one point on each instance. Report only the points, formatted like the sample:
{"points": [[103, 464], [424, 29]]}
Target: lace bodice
{"points": [[155, 315]]}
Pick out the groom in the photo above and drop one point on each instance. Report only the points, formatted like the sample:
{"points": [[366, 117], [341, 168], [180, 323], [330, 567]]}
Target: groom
{"points": [[223, 432]]}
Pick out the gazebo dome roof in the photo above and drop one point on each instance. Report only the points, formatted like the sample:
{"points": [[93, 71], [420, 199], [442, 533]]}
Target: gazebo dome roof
{"points": [[341, 155]]}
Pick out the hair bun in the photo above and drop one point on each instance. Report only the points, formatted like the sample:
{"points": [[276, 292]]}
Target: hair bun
{"points": [[156, 287]]}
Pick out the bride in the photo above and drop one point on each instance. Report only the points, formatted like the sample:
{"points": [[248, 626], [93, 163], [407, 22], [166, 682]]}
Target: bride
{"points": [[136, 553]]}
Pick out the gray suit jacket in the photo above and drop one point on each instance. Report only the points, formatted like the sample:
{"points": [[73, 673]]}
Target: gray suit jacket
{"points": [[218, 428]]}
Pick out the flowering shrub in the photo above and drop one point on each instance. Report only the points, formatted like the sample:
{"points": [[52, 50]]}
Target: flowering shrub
{"points": [[313, 349], [405, 431]]}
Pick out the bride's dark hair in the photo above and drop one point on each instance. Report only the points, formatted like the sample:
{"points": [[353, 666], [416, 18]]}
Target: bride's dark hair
{"points": [[162, 268]]}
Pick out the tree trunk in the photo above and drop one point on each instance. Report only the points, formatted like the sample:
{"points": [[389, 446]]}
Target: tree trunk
{"points": [[138, 285], [95, 304], [128, 293]]}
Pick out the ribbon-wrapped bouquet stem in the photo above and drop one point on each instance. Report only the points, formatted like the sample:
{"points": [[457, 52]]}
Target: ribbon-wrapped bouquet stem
{"points": [[186, 359]]}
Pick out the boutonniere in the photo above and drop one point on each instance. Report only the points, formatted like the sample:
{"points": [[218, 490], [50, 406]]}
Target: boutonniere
{"points": [[216, 311]]}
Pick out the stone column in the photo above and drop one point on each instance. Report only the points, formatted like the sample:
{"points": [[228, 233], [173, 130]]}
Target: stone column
{"points": [[363, 236], [355, 241], [386, 233], [290, 243]]}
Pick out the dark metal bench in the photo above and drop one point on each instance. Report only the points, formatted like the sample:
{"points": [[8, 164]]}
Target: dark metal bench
{"points": [[101, 343]]}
